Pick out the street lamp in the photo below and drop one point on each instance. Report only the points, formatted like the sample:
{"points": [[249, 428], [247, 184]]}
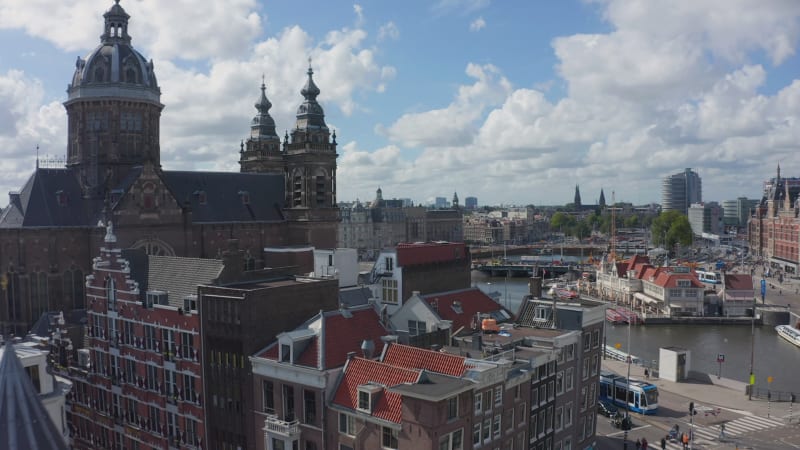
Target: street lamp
{"points": [[752, 379]]}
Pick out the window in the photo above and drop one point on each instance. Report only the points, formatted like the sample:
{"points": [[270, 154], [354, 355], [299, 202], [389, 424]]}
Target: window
{"points": [[389, 437], [452, 407], [309, 406], [389, 291], [551, 390], [568, 444], [509, 419], [586, 342], [152, 377], [347, 424], [496, 426], [522, 413], [595, 338], [191, 431], [488, 396], [288, 402], [187, 347], [498, 396], [585, 373], [452, 441], [416, 328], [560, 382], [568, 415], [534, 398], [487, 430], [33, 374], [111, 294], [154, 416], [584, 394], [268, 392], [476, 434], [570, 349], [478, 402], [559, 418], [570, 379], [188, 387], [149, 337], [389, 262], [595, 361]]}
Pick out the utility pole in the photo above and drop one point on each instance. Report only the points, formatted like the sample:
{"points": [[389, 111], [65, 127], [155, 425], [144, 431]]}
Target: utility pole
{"points": [[752, 380]]}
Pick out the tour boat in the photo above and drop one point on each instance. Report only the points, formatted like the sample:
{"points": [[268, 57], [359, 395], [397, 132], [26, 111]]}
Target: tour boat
{"points": [[789, 333]]}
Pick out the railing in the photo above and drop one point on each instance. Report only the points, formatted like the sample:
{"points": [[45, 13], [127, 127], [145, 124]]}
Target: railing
{"points": [[619, 355], [272, 424]]}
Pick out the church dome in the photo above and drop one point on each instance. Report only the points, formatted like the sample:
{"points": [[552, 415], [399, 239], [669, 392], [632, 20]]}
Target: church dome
{"points": [[114, 68]]}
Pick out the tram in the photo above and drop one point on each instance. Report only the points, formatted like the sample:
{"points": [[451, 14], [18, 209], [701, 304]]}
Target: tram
{"points": [[639, 396], [709, 277]]}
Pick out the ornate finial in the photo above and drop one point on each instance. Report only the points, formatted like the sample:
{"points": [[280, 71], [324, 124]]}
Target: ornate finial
{"points": [[116, 1], [110, 237], [334, 136], [241, 146], [37, 156]]}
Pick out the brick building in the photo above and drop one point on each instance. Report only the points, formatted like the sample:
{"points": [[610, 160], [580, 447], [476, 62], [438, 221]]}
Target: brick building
{"points": [[53, 227], [774, 227]]}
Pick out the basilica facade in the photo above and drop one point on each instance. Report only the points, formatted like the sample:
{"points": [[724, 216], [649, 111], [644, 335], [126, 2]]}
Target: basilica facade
{"points": [[52, 228]]}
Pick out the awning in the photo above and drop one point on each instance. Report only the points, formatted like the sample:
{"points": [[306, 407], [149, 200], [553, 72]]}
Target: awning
{"points": [[645, 298]]}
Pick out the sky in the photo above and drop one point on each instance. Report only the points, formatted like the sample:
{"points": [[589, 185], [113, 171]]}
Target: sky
{"points": [[512, 102]]}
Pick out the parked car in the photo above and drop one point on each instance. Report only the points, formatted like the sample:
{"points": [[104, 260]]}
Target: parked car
{"points": [[606, 408]]}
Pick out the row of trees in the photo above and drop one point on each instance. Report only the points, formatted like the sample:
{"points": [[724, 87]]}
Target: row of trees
{"points": [[668, 228]]}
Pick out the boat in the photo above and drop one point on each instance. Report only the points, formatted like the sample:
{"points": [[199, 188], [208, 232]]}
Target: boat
{"points": [[614, 317], [789, 333]]}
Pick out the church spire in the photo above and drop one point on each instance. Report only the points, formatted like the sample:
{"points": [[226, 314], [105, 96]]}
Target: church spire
{"points": [[262, 127], [577, 197], [602, 198]]}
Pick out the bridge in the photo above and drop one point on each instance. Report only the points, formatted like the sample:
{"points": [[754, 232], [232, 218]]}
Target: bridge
{"points": [[493, 251], [521, 270]]}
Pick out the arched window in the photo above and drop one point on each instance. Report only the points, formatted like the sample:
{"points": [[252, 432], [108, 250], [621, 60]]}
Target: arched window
{"points": [[111, 294], [99, 74], [73, 284], [130, 75]]}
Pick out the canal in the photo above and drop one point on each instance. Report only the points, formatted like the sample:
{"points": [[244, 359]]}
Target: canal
{"points": [[772, 355]]}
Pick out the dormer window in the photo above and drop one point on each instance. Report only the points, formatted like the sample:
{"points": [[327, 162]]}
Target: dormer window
{"points": [[201, 197], [457, 307], [245, 196], [285, 353], [368, 397], [61, 198]]}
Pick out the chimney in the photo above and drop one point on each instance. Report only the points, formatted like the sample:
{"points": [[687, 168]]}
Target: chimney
{"points": [[350, 355], [368, 348]]}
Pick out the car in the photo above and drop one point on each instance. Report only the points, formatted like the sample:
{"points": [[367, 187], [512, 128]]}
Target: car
{"points": [[606, 408]]}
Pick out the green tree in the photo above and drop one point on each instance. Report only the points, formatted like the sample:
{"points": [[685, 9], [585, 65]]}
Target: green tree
{"points": [[671, 227], [561, 221], [631, 221]]}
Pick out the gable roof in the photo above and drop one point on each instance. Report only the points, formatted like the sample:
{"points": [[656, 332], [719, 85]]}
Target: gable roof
{"points": [[419, 358], [340, 332], [461, 307], [430, 252], [24, 423], [360, 371]]}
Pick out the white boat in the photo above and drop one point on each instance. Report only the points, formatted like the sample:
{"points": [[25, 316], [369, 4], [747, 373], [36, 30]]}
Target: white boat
{"points": [[789, 333]]}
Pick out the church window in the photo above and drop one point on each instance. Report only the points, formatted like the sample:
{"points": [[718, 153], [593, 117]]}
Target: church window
{"points": [[99, 74], [130, 75], [297, 194], [149, 196], [321, 190]]}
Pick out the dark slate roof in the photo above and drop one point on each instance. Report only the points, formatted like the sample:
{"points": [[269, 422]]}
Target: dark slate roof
{"points": [[46, 323], [24, 423], [354, 296], [177, 276], [37, 205], [223, 194]]}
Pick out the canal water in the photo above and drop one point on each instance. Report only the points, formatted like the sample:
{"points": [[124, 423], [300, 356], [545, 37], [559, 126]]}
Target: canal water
{"points": [[772, 355]]}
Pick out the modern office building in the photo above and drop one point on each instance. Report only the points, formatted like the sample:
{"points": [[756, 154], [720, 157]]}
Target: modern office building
{"points": [[681, 190], [736, 212], [471, 203], [706, 218]]}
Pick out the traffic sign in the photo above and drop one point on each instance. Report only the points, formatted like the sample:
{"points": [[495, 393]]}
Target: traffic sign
{"points": [[721, 358], [769, 379]]}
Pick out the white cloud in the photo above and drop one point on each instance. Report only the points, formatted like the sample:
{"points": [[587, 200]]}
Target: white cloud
{"points": [[459, 6], [477, 24], [359, 10], [388, 31]]}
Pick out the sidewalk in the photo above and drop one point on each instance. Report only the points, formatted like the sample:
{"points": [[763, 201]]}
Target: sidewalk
{"points": [[710, 391]]}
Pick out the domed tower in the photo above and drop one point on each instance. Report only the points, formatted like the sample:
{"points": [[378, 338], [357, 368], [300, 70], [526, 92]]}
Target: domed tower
{"points": [[262, 151], [113, 109], [310, 157]]}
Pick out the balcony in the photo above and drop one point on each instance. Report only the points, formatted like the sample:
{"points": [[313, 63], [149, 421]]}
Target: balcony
{"points": [[274, 425]]}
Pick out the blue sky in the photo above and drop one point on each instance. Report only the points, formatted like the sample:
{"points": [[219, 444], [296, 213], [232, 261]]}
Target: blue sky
{"points": [[513, 102]]}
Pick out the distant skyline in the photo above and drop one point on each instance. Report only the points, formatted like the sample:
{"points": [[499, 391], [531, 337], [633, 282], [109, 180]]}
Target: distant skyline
{"points": [[511, 102]]}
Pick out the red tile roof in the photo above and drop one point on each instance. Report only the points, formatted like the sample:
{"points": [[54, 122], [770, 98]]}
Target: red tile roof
{"points": [[738, 282], [420, 358], [667, 279], [361, 371], [430, 252], [472, 301], [343, 333]]}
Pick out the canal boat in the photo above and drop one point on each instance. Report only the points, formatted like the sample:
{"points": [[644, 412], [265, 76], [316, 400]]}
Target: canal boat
{"points": [[613, 316], [789, 333]]}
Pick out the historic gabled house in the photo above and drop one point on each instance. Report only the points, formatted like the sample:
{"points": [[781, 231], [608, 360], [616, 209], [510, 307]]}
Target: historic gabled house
{"points": [[52, 227]]}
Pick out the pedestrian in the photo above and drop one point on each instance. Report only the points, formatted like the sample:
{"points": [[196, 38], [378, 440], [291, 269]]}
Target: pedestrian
{"points": [[664, 443], [638, 444], [644, 443], [685, 441], [721, 431], [646, 373]]}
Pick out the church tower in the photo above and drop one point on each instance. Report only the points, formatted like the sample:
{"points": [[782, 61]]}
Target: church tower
{"points": [[262, 151], [602, 202], [310, 156], [113, 109], [577, 197]]}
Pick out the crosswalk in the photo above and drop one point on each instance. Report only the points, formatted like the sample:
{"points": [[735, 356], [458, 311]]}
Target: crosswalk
{"points": [[733, 428]]}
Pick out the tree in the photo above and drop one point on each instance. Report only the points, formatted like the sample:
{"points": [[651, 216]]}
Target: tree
{"points": [[671, 227], [561, 221], [631, 221]]}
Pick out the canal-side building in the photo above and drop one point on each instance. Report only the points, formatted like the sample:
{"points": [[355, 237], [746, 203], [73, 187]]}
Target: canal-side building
{"points": [[774, 227]]}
